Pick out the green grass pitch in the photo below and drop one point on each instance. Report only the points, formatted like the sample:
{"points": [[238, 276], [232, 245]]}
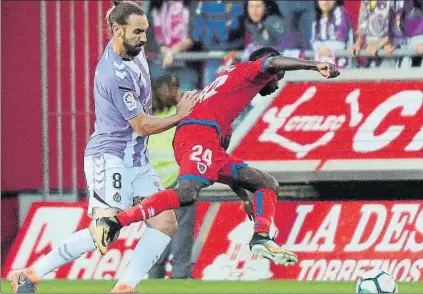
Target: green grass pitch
{"points": [[195, 286]]}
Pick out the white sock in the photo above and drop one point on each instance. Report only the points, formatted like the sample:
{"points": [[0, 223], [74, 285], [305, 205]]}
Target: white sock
{"points": [[148, 250], [77, 244]]}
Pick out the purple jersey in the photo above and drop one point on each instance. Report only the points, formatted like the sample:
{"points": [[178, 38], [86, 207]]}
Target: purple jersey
{"points": [[412, 17], [122, 90], [337, 28], [336, 31]]}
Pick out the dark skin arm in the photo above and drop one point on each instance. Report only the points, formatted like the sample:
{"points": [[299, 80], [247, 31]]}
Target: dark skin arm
{"points": [[279, 63]]}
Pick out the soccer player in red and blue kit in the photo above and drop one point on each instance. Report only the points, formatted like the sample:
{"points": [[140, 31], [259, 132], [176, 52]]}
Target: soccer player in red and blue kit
{"points": [[200, 146]]}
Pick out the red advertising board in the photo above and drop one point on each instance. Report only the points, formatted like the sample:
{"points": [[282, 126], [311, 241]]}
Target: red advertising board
{"points": [[48, 224], [340, 126], [334, 241]]}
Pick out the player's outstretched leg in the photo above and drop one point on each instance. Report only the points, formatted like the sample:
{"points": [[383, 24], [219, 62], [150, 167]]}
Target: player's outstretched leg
{"points": [[77, 244], [264, 187], [262, 244], [160, 230], [183, 194]]}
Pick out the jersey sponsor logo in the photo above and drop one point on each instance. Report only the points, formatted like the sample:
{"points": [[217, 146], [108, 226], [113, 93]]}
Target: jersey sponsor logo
{"points": [[130, 101]]}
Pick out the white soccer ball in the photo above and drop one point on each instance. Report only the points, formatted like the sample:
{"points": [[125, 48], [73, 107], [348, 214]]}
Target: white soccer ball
{"points": [[376, 281]]}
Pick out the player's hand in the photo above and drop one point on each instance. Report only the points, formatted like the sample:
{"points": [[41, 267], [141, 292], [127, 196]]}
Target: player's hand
{"points": [[328, 70], [247, 206], [419, 49], [186, 104]]}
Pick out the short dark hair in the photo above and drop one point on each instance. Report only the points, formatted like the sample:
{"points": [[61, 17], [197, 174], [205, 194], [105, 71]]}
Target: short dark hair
{"points": [[162, 102], [262, 52], [121, 11], [272, 86], [166, 81]]}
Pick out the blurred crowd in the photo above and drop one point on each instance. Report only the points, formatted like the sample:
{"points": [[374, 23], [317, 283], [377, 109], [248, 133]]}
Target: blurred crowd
{"points": [[291, 26]]}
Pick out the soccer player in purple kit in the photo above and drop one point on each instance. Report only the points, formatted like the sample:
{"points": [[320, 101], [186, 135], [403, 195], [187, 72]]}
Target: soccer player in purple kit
{"points": [[116, 161]]}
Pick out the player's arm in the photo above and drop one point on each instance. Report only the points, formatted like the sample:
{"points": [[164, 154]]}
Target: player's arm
{"points": [[130, 107], [144, 124], [279, 63]]}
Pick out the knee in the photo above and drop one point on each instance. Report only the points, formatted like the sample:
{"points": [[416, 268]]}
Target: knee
{"points": [[187, 192], [272, 184], [170, 227], [270, 189], [165, 222]]}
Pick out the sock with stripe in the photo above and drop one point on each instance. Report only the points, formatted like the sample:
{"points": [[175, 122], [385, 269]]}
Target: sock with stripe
{"points": [[264, 209], [76, 245], [149, 207], [148, 250]]}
